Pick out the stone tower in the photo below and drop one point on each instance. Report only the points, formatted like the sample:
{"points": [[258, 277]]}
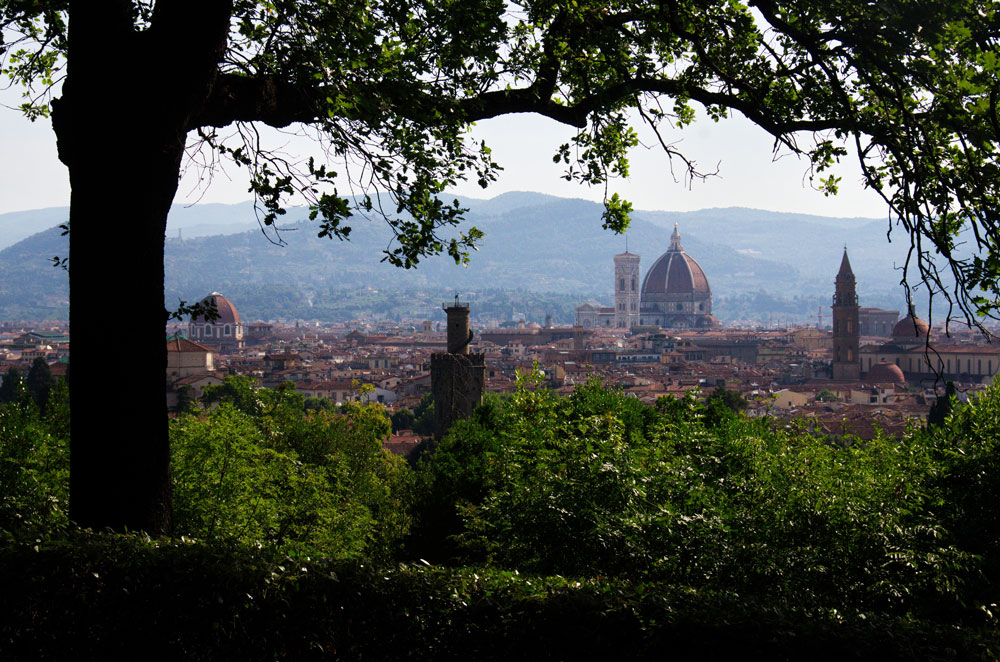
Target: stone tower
{"points": [[846, 362], [627, 290], [458, 378]]}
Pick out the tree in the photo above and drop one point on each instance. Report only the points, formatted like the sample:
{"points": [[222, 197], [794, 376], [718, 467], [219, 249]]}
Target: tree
{"points": [[390, 87], [12, 386], [826, 395], [40, 382]]}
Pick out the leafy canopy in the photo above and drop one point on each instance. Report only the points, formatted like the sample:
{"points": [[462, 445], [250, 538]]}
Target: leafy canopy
{"points": [[389, 88]]}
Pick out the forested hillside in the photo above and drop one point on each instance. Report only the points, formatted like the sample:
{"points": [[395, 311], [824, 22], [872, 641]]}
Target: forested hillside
{"points": [[781, 264]]}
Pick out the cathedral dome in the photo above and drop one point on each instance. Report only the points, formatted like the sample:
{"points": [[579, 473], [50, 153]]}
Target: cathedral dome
{"points": [[910, 327], [675, 273], [227, 311]]}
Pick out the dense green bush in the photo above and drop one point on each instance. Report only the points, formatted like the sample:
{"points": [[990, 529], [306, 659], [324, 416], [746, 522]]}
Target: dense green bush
{"points": [[34, 463], [101, 597], [253, 468], [598, 484], [258, 468], [681, 521]]}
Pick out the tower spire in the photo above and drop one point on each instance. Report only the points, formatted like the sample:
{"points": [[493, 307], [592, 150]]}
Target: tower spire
{"points": [[846, 329], [845, 267]]}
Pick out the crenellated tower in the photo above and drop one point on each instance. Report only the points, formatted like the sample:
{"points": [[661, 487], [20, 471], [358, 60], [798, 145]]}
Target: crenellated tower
{"points": [[846, 335], [627, 290]]}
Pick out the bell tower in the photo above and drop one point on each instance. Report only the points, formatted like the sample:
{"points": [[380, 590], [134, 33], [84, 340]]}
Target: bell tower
{"points": [[626, 290], [846, 362]]}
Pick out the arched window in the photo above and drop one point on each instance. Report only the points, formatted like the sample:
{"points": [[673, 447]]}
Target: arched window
{"points": [[633, 283], [621, 283], [227, 330]]}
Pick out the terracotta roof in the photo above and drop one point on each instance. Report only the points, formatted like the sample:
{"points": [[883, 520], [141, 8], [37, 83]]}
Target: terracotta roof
{"points": [[185, 345]]}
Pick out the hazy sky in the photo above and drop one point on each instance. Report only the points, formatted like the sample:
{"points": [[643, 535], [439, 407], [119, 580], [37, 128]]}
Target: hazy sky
{"points": [[31, 176]]}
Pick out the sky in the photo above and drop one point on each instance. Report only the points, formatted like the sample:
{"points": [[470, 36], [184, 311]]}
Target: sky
{"points": [[31, 176]]}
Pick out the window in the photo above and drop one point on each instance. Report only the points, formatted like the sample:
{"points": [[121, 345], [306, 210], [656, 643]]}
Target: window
{"points": [[227, 330], [621, 283], [680, 306], [633, 283]]}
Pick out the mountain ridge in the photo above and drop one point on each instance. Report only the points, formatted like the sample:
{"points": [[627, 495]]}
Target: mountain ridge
{"points": [[533, 242]]}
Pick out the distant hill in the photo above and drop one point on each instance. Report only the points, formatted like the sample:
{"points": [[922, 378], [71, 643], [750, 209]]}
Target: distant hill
{"points": [[185, 220], [533, 242]]}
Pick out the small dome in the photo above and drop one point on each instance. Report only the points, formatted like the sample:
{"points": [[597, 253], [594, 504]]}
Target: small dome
{"points": [[910, 327], [226, 309], [886, 373]]}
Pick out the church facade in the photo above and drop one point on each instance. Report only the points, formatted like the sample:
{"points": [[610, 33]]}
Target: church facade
{"points": [[675, 294]]}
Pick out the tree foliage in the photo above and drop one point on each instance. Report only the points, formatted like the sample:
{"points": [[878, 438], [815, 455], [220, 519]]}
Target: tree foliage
{"points": [[599, 484], [40, 382], [12, 387], [258, 467], [34, 465]]}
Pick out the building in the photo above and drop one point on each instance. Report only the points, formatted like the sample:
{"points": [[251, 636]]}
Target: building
{"points": [[877, 322], [627, 297], [846, 334], [920, 360], [675, 294], [225, 332], [186, 358]]}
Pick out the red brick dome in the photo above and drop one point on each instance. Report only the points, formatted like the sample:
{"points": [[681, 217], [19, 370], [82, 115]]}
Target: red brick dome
{"points": [[910, 327], [227, 311], [886, 373], [675, 272]]}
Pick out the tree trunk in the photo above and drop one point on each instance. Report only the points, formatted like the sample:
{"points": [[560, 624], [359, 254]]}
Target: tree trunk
{"points": [[121, 127], [119, 455]]}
